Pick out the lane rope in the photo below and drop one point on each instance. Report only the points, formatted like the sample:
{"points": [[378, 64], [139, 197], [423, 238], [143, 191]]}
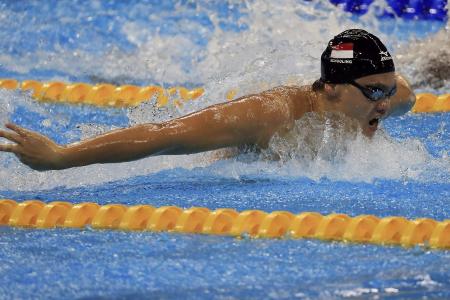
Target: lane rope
{"points": [[229, 222], [131, 95], [102, 94], [430, 103]]}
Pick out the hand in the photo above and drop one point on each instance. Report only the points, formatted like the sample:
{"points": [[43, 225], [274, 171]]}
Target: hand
{"points": [[33, 149]]}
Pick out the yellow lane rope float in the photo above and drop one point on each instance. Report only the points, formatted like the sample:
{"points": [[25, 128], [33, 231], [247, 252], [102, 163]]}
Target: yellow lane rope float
{"points": [[102, 94], [431, 103], [131, 95], [225, 221]]}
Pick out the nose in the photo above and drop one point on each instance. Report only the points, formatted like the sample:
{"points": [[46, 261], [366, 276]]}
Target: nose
{"points": [[381, 111], [382, 107]]}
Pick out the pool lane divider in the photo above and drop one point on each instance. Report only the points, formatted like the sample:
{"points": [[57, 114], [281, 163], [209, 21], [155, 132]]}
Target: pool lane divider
{"points": [[102, 94], [131, 95], [225, 221]]}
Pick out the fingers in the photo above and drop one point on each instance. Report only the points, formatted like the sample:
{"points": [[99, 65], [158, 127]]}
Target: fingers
{"points": [[12, 136], [9, 148], [20, 130]]}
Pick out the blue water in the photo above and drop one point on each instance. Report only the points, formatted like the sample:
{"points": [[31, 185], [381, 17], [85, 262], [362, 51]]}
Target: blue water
{"points": [[426, 9], [118, 265], [93, 264]]}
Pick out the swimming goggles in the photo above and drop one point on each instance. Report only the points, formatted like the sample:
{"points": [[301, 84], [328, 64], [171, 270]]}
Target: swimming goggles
{"points": [[374, 93]]}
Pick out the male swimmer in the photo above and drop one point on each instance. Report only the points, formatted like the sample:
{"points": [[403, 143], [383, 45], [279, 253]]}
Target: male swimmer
{"points": [[358, 80]]}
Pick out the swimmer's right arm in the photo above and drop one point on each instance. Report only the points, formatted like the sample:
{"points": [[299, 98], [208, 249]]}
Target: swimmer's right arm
{"points": [[250, 120]]}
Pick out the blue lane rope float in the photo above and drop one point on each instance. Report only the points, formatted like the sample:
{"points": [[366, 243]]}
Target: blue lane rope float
{"points": [[130, 95], [228, 222]]}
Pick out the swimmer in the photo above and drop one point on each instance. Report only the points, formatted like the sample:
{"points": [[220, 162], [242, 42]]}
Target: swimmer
{"points": [[357, 80]]}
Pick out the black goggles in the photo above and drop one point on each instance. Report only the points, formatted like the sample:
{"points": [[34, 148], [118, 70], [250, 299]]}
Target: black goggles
{"points": [[374, 93]]}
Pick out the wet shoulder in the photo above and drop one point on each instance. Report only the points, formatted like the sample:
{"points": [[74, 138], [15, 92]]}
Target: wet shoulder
{"points": [[404, 99], [284, 98], [296, 97], [284, 91], [404, 90]]}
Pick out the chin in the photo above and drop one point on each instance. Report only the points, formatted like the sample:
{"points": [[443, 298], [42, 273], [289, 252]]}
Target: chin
{"points": [[372, 127], [369, 132]]}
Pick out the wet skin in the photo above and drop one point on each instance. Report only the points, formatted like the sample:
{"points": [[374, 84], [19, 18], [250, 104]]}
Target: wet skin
{"points": [[249, 120]]}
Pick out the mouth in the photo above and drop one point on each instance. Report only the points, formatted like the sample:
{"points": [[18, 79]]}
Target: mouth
{"points": [[373, 124]]}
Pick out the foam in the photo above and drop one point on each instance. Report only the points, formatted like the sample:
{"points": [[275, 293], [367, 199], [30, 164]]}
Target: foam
{"points": [[426, 62], [321, 150]]}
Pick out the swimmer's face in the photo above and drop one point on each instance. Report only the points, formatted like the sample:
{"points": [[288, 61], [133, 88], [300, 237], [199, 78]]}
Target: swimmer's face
{"points": [[351, 101]]}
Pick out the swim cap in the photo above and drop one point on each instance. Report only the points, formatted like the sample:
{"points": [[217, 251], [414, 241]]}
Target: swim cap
{"points": [[352, 54]]}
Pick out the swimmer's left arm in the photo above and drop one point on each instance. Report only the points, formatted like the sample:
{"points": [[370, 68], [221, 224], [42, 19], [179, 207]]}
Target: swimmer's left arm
{"points": [[404, 99]]}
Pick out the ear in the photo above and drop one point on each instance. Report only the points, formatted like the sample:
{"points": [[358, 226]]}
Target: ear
{"points": [[332, 92]]}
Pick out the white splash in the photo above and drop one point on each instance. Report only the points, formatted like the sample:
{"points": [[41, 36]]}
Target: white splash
{"points": [[317, 149], [427, 61], [357, 292]]}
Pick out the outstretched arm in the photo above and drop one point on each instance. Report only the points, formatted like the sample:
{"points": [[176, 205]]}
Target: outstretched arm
{"points": [[252, 119]]}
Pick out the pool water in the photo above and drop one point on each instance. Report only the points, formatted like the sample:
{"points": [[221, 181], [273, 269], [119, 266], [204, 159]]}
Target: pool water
{"points": [[404, 170]]}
